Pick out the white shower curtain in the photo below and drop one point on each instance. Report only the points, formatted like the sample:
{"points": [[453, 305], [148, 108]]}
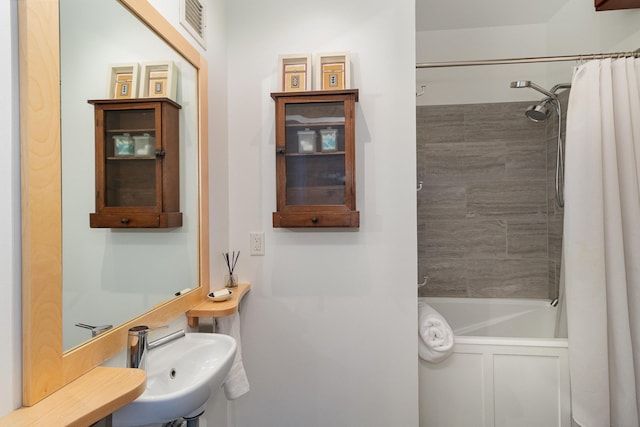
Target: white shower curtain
{"points": [[602, 242]]}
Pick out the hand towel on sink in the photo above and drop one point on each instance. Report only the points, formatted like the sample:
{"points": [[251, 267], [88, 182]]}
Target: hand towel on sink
{"points": [[435, 336], [236, 383]]}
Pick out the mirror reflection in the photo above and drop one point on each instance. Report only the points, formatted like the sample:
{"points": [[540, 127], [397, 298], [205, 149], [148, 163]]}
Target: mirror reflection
{"points": [[112, 275]]}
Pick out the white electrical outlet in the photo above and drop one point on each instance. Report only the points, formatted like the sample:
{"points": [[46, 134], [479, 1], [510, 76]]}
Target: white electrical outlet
{"points": [[256, 243]]}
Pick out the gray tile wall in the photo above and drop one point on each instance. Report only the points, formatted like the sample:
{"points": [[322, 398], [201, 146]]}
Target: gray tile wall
{"points": [[488, 225]]}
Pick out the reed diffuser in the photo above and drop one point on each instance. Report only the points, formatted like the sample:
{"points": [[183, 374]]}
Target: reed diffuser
{"points": [[230, 280]]}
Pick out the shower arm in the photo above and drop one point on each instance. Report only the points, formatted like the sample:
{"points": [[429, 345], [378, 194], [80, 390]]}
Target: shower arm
{"points": [[528, 83], [557, 87]]}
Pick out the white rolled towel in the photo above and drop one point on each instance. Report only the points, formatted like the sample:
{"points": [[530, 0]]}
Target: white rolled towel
{"points": [[435, 336], [236, 383]]}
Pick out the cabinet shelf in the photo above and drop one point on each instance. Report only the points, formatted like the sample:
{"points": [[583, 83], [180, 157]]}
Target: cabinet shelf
{"points": [[131, 131], [314, 125], [129, 158], [317, 153]]}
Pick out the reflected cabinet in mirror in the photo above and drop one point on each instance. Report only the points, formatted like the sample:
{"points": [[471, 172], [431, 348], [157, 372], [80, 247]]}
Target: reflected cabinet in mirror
{"points": [[74, 274], [137, 164]]}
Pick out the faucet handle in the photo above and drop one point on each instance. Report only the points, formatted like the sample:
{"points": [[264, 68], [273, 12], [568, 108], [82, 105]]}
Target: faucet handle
{"points": [[143, 329], [95, 330]]}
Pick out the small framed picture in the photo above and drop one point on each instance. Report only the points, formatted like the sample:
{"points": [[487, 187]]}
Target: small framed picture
{"points": [[333, 71], [160, 80], [294, 72], [328, 140], [123, 81]]}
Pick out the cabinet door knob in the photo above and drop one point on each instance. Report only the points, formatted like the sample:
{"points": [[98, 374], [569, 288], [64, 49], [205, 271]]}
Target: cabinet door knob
{"points": [[124, 220], [280, 150], [160, 153], [314, 219]]}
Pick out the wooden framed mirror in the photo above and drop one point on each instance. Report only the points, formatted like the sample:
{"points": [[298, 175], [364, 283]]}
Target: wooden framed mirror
{"points": [[46, 368]]}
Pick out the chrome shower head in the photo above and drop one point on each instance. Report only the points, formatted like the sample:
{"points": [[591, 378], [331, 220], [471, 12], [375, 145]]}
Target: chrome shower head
{"points": [[541, 111]]}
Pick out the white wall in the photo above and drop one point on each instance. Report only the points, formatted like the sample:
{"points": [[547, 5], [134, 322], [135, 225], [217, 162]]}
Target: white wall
{"points": [[575, 29], [578, 29], [10, 303], [216, 56], [329, 325], [478, 84]]}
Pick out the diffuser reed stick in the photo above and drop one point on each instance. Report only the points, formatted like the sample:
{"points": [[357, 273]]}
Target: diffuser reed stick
{"points": [[231, 261]]}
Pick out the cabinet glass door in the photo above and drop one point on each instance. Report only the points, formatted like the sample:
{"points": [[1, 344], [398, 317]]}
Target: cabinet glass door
{"points": [[315, 153], [315, 159], [131, 175]]}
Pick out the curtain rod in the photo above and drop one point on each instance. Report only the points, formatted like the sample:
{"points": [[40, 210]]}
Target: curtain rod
{"points": [[586, 57]]}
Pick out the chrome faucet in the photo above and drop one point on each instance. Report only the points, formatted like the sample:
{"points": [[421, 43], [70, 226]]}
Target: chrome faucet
{"points": [[138, 344]]}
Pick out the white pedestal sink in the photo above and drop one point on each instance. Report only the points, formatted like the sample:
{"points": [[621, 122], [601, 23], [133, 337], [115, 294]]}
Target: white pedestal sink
{"points": [[181, 376]]}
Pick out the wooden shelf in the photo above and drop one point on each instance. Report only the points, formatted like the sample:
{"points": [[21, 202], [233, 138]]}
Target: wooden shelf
{"points": [[616, 4], [211, 308], [88, 399]]}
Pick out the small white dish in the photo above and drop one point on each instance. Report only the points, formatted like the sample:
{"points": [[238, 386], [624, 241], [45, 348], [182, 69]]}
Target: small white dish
{"points": [[220, 295]]}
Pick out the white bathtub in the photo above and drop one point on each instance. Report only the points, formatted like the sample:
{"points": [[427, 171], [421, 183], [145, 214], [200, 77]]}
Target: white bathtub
{"points": [[507, 368]]}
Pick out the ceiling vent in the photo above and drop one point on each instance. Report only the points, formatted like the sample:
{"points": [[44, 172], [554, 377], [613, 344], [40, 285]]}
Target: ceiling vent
{"points": [[192, 18]]}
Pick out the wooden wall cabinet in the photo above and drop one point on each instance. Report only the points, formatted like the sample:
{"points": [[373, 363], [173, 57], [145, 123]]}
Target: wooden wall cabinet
{"points": [[616, 4], [137, 164], [315, 159]]}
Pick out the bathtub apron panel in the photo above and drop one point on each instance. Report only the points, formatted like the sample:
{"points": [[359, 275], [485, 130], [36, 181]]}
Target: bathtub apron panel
{"points": [[498, 381]]}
